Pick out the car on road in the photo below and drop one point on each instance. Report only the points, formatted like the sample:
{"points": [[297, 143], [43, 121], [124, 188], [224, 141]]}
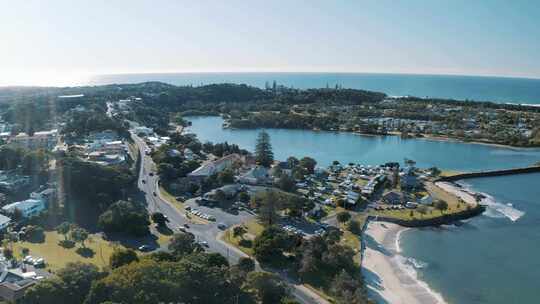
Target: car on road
{"points": [[145, 248], [154, 193], [222, 226], [151, 174]]}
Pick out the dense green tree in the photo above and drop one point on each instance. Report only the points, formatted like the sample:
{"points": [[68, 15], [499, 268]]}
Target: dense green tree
{"points": [[148, 281], [267, 287], [126, 217], [49, 291], [309, 164], [286, 183], [79, 234], [246, 264], [159, 218], [268, 247], [263, 150], [441, 205], [343, 216], [354, 227], [64, 229], [8, 253], [226, 177], [239, 231], [347, 289], [90, 188], [183, 243], [269, 204], [292, 162], [121, 257], [70, 285]]}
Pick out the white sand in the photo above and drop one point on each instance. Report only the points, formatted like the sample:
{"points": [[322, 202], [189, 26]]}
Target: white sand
{"points": [[388, 279], [457, 191]]}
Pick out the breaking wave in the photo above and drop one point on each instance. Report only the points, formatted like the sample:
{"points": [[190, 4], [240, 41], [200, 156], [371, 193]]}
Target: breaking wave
{"points": [[496, 209], [409, 267]]}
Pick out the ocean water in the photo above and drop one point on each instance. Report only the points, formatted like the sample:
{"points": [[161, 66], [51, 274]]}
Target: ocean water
{"points": [[493, 258], [326, 147], [497, 89]]}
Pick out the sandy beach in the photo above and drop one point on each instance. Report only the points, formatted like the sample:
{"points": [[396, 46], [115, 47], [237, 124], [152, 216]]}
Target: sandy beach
{"points": [[458, 191], [388, 278]]}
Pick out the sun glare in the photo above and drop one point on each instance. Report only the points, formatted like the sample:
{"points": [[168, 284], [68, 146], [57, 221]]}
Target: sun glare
{"points": [[43, 78]]}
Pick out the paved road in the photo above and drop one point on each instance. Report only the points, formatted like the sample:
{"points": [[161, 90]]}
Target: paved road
{"points": [[203, 232]]}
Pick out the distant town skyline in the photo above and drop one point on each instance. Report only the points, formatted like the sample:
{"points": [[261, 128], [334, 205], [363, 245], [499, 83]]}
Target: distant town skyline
{"points": [[61, 42]]}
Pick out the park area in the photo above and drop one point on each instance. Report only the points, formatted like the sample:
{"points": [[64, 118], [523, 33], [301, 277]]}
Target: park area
{"points": [[96, 251]]}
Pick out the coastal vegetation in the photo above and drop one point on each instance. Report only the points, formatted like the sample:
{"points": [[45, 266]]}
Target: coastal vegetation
{"points": [[186, 274]]}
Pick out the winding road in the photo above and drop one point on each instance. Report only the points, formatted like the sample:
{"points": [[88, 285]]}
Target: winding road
{"points": [[209, 233]]}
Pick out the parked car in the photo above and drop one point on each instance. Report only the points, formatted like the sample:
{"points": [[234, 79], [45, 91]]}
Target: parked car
{"points": [[145, 248]]}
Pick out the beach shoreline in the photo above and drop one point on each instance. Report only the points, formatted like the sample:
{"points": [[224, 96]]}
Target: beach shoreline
{"points": [[387, 275]]}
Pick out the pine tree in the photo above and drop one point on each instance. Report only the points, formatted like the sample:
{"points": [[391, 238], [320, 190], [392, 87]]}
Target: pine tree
{"points": [[263, 150]]}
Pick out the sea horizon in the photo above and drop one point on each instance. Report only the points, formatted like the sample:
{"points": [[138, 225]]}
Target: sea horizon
{"points": [[499, 89], [458, 87]]}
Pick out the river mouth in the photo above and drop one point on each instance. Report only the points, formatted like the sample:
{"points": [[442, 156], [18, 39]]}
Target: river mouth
{"points": [[488, 259], [492, 258], [326, 147]]}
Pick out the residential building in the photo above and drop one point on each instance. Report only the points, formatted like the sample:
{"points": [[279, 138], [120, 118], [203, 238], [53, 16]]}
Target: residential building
{"points": [[143, 130], [11, 182], [47, 195], [393, 198], [426, 200], [39, 140], [352, 197], [214, 167], [13, 286], [256, 175], [4, 222], [28, 208], [15, 281]]}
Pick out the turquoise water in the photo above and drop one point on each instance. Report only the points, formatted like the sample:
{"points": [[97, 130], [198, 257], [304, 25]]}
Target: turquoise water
{"points": [[493, 258], [490, 259], [326, 147], [498, 89]]}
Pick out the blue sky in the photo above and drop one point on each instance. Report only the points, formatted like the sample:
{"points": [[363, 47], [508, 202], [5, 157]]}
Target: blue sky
{"points": [[66, 38]]}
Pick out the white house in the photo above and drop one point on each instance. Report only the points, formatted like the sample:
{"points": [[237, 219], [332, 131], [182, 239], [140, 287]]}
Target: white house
{"points": [[28, 208], [352, 197], [426, 200], [4, 222], [144, 130]]}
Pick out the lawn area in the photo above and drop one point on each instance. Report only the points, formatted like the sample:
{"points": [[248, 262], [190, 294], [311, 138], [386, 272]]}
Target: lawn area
{"points": [[445, 173], [253, 229], [57, 256], [171, 199], [455, 205], [352, 240]]}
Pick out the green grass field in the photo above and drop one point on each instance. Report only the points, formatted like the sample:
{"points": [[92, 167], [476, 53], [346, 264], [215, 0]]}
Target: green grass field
{"points": [[57, 256]]}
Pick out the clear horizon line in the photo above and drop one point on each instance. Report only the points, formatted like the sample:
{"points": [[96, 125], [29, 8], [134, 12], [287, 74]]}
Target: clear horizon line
{"points": [[81, 79], [314, 72]]}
